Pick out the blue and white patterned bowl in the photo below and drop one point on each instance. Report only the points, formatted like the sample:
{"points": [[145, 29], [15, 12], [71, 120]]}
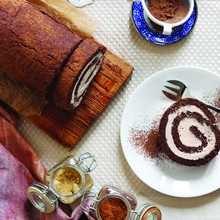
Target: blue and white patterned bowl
{"points": [[158, 38]]}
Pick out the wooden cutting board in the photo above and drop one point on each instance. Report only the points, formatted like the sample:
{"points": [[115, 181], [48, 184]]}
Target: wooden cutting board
{"points": [[69, 128]]}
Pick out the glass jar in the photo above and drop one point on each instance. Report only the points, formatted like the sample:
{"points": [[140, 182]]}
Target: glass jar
{"points": [[113, 203], [66, 182]]}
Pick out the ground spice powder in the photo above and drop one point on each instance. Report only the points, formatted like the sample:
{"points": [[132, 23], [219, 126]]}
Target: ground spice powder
{"points": [[217, 99], [217, 104], [67, 181], [168, 10], [146, 141], [113, 209]]}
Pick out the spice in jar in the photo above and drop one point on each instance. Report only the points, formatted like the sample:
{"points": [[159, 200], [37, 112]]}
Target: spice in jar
{"points": [[113, 209], [113, 204], [67, 181]]}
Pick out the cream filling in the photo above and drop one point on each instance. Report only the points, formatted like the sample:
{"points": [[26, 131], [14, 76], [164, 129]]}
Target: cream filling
{"points": [[186, 137], [86, 77]]}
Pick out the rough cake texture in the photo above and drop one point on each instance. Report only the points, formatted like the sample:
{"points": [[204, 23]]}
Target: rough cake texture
{"points": [[45, 55], [73, 71], [188, 134], [34, 47]]}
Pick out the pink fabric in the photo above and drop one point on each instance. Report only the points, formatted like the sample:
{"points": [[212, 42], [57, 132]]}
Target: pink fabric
{"points": [[13, 141], [19, 168]]}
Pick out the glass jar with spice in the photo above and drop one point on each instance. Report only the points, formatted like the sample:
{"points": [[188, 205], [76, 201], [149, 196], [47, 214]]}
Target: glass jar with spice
{"points": [[112, 203], [66, 182]]}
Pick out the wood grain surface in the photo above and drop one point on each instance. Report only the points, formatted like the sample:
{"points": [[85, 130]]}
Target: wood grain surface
{"points": [[69, 128]]}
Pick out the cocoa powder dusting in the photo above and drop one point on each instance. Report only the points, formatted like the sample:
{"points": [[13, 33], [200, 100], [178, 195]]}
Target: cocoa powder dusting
{"points": [[217, 100], [217, 104], [146, 141], [170, 11]]}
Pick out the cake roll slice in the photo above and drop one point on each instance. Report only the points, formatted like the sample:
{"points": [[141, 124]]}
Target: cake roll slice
{"points": [[34, 47], [188, 133], [77, 74]]}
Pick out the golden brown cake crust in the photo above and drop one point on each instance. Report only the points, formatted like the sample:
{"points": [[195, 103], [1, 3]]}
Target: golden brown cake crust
{"points": [[34, 47], [81, 56]]}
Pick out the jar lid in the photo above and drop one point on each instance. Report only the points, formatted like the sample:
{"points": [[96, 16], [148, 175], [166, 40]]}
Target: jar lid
{"points": [[42, 197], [149, 212]]}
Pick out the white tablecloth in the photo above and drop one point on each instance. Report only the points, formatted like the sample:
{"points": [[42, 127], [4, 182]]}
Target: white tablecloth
{"points": [[201, 48]]}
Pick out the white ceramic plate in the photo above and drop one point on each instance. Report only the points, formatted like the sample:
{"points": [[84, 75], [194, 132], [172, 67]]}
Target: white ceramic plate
{"points": [[148, 101]]}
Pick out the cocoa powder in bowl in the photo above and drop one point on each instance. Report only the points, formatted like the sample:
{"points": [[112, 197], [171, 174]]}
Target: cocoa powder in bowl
{"points": [[170, 11]]}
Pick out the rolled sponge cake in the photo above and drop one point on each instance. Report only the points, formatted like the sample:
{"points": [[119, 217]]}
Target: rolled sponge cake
{"points": [[34, 47], [45, 55], [77, 74], [188, 133]]}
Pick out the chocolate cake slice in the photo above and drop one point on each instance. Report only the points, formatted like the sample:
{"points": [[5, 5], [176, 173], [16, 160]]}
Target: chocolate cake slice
{"points": [[77, 74], [188, 134], [34, 47]]}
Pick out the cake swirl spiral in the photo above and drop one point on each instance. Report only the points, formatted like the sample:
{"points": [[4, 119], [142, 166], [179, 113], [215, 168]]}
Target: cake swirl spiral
{"points": [[188, 134]]}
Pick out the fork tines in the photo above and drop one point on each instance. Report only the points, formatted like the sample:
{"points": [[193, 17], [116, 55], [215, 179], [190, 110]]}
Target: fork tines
{"points": [[171, 96], [173, 92]]}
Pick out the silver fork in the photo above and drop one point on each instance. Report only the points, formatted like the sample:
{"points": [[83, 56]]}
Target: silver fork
{"points": [[178, 90]]}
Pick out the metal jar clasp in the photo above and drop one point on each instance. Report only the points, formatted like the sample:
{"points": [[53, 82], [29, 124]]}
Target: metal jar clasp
{"points": [[87, 162]]}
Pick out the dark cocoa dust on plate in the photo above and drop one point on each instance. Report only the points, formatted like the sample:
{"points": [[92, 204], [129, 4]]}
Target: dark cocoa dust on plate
{"points": [[146, 141], [215, 102]]}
